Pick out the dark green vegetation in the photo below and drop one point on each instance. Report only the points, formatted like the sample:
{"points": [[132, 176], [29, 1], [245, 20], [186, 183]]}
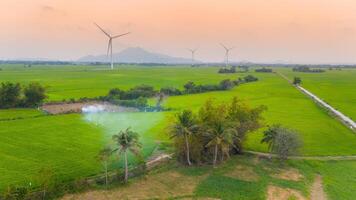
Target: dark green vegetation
{"points": [[11, 95], [307, 69], [215, 132], [282, 141]]}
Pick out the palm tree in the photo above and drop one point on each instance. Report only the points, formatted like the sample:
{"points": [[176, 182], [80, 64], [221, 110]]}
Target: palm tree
{"points": [[127, 140], [270, 135], [184, 127], [221, 136], [104, 156]]}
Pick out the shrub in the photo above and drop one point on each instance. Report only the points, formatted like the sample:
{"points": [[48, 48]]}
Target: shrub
{"points": [[282, 141], [170, 91], [10, 95], [250, 78], [34, 94], [226, 84], [307, 69], [264, 70], [297, 81]]}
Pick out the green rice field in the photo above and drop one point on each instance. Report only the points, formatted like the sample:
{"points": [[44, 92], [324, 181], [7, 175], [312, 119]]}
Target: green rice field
{"points": [[31, 140]]}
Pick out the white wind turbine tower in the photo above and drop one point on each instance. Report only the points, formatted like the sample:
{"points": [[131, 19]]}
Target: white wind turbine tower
{"points": [[227, 51], [193, 55], [110, 43]]}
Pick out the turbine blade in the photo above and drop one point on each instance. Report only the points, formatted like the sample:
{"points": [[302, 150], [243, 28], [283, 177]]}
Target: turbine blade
{"points": [[224, 46], [107, 34], [109, 45], [120, 35]]}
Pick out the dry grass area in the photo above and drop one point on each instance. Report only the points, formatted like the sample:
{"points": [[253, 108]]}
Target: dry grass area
{"points": [[278, 193], [289, 174], [243, 172], [156, 186]]}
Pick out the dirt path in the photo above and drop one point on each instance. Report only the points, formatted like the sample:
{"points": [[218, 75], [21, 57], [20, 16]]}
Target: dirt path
{"points": [[317, 192], [322, 158]]}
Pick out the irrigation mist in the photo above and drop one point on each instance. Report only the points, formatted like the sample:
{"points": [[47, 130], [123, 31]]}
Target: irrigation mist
{"points": [[112, 121]]}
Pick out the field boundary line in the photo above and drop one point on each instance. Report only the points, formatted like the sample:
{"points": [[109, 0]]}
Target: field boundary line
{"points": [[342, 117], [321, 158]]}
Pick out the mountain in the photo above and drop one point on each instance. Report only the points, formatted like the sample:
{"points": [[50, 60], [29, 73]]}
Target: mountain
{"points": [[137, 55]]}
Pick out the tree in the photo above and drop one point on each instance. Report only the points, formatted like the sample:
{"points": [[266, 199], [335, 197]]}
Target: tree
{"points": [[34, 94], [189, 86], [221, 136], [282, 141], [297, 81], [9, 94], [184, 127], [226, 84], [217, 127], [127, 140], [104, 156], [245, 120], [269, 135]]}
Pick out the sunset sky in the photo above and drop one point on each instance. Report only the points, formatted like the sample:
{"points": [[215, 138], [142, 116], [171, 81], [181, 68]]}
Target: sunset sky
{"points": [[296, 31]]}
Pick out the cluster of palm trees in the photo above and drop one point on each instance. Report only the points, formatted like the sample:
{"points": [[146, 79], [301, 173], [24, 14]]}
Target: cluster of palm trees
{"points": [[215, 131], [125, 141]]}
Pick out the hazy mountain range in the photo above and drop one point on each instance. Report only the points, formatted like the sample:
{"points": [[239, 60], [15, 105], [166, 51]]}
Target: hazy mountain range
{"points": [[136, 55]]}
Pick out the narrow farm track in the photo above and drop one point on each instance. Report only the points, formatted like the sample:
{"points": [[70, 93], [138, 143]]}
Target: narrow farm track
{"points": [[320, 158], [345, 119]]}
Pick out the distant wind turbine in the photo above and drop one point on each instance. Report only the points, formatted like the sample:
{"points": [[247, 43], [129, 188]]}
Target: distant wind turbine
{"points": [[193, 55], [110, 43], [227, 51]]}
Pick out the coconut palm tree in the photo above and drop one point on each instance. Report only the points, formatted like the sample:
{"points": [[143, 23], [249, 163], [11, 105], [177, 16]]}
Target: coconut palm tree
{"points": [[221, 136], [184, 127], [270, 135], [104, 156], [127, 140]]}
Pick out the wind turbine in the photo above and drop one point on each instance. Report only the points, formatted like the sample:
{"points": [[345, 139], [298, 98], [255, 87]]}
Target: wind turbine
{"points": [[227, 51], [110, 43], [193, 55]]}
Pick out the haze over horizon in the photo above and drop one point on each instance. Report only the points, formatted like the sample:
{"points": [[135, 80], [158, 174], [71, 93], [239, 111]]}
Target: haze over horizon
{"points": [[295, 31]]}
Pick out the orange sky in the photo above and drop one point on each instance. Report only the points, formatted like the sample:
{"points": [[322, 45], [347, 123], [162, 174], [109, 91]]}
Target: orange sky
{"points": [[300, 31]]}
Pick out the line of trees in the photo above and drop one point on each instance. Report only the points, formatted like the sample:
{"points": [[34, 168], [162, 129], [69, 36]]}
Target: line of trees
{"points": [[216, 131], [14, 95], [307, 69], [264, 70], [233, 69], [137, 96]]}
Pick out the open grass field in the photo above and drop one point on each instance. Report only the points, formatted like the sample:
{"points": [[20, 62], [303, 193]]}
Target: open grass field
{"points": [[69, 143], [65, 82], [337, 88], [242, 177]]}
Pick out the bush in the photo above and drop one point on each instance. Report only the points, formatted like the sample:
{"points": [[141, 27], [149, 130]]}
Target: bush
{"points": [[226, 71], [139, 91], [10, 95], [307, 69], [34, 94], [250, 78], [264, 70], [282, 141], [226, 84], [297, 81], [170, 91]]}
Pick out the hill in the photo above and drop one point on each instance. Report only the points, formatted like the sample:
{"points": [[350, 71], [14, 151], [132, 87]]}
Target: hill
{"points": [[137, 55]]}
